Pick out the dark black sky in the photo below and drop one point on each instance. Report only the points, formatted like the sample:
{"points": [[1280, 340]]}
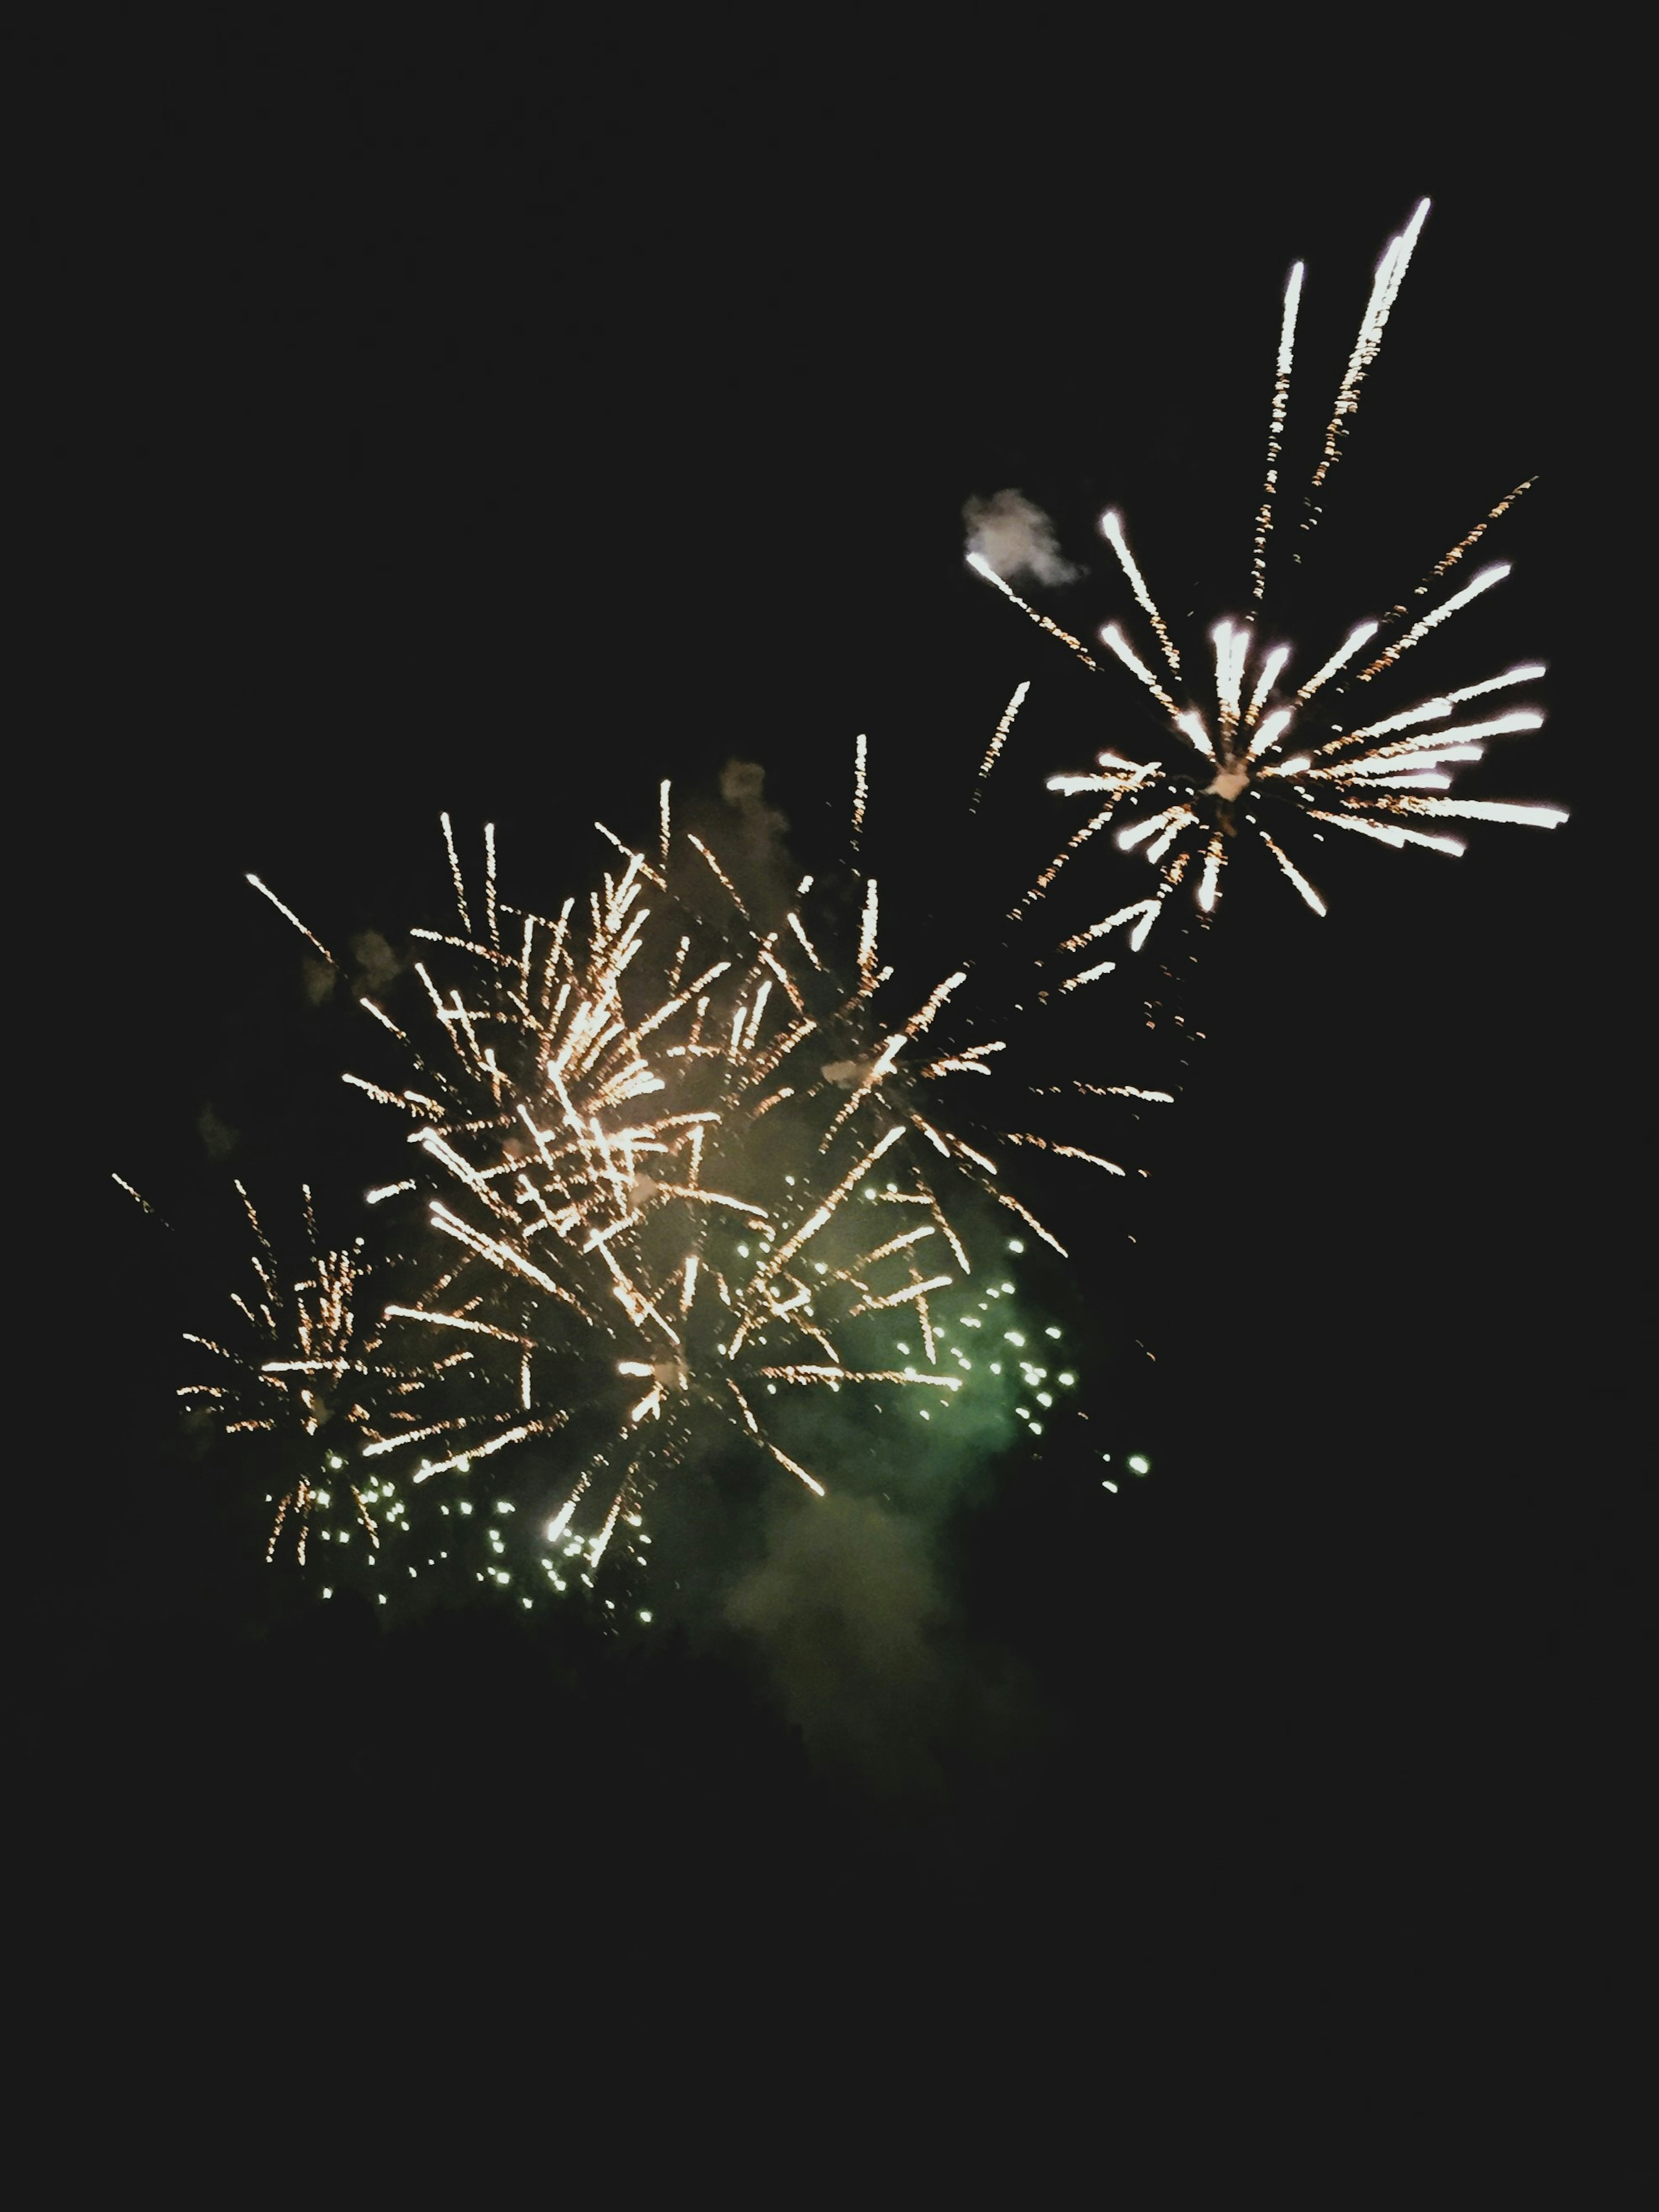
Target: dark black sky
{"points": [[500, 431]]}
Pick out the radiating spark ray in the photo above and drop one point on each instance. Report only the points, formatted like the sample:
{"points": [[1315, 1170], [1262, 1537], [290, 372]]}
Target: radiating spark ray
{"points": [[982, 567], [1390, 273], [1111, 528], [1344, 653], [288, 915], [997, 742], [1296, 876], [1419, 630], [1283, 367], [455, 874]]}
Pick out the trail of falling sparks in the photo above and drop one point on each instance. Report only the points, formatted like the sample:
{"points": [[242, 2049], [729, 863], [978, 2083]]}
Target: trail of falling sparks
{"points": [[997, 743], [1111, 529], [288, 915], [1281, 399], [1385, 289]]}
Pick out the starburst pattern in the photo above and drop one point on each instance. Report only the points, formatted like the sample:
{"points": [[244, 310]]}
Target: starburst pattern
{"points": [[1260, 745]]}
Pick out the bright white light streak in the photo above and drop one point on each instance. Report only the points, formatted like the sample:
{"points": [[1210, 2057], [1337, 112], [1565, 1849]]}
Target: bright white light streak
{"points": [[1113, 638], [1212, 876], [997, 742], [1386, 834], [1472, 590], [1137, 832], [1296, 876], [1344, 653], [1270, 733], [1282, 367], [1111, 528], [288, 915], [1271, 669]]}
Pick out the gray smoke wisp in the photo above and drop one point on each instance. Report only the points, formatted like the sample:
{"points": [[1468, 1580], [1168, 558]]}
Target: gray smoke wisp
{"points": [[1012, 535], [867, 1657]]}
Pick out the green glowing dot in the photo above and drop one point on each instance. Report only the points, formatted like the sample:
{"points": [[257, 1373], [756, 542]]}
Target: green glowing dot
{"points": [[1138, 1466]]}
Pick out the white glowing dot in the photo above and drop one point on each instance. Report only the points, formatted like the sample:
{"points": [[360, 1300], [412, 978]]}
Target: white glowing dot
{"points": [[1051, 1331], [1015, 1244], [1138, 1466], [1012, 1336]]}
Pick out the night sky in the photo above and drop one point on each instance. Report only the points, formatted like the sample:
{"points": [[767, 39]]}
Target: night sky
{"points": [[504, 432]]}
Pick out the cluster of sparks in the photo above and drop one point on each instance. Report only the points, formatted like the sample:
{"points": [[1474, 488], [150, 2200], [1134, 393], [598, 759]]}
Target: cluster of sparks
{"points": [[673, 1155], [669, 1161], [1260, 734]]}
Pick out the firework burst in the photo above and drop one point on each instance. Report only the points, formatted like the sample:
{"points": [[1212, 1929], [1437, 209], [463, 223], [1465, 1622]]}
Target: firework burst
{"points": [[302, 1365], [1258, 746]]}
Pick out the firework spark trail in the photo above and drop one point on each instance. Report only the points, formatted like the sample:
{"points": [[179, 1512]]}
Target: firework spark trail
{"points": [[1296, 876], [996, 744], [1282, 400], [1111, 529], [1419, 630], [1360, 634], [1112, 637], [288, 915], [1385, 289], [983, 567]]}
